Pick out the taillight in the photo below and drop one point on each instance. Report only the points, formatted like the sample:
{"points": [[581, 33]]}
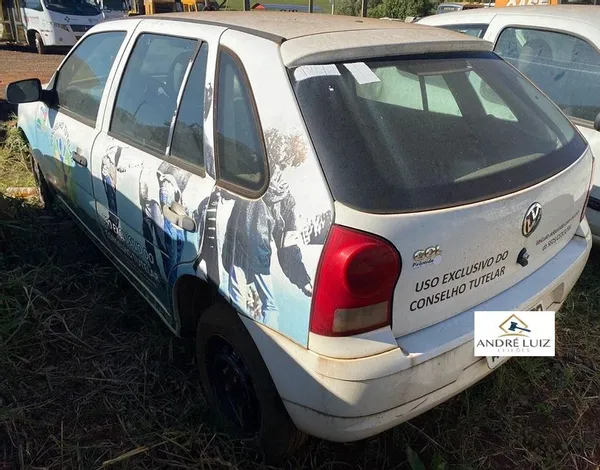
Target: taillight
{"points": [[355, 283], [587, 199]]}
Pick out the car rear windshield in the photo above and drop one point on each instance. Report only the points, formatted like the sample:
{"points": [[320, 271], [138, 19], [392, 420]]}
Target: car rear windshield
{"points": [[425, 132]]}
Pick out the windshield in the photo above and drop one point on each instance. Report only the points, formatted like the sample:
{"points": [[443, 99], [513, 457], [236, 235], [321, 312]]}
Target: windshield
{"points": [[426, 132], [72, 7]]}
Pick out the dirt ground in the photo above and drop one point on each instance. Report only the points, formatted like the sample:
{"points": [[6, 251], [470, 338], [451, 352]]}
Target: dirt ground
{"points": [[17, 63]]}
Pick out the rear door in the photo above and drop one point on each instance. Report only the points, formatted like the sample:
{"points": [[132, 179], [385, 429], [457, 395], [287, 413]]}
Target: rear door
{"points": [[150, 181]]}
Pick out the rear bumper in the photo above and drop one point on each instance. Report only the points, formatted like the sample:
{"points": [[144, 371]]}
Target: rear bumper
{"points": [[339, 429], [350, 399]]}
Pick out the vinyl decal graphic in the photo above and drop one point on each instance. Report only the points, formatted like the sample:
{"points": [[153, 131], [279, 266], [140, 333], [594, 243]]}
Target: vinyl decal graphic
{"points": [[108, 170], [41, 121], [172, 182], [61, 149], [261, 254], [257, 251], [133, 195], [140, 257]]}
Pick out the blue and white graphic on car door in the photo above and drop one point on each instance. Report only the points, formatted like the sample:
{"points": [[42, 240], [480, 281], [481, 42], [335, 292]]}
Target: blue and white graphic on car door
{"points": [[65, 133], [133, 198]]}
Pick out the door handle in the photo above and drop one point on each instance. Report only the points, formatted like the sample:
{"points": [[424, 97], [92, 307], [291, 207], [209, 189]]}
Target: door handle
{"points": [[177, 216], [79, 159]]}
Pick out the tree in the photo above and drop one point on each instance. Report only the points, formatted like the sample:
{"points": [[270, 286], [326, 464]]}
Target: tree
{"points": [[400, 8], [348, 7]]}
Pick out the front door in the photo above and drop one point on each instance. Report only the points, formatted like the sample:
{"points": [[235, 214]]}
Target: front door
{"points": [[151, 184], [66, 131]]}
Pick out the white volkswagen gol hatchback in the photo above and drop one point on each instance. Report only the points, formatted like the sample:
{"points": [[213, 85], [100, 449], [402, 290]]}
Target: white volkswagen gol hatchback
{"points": [[319, 198]]}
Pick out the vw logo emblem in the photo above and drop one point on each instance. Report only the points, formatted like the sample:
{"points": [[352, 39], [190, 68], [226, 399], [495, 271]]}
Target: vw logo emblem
{"points": [[532, 218]]}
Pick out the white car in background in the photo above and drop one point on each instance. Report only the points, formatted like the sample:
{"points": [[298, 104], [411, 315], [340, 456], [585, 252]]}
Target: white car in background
{"points": [[558, 48]]}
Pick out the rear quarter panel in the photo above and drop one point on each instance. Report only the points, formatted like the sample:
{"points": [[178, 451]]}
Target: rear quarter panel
{"points": [[289, 152]]}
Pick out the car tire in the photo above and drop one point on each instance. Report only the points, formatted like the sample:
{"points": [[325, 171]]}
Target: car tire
{"points": [[45, 195], [39, 44], [239, 387]]}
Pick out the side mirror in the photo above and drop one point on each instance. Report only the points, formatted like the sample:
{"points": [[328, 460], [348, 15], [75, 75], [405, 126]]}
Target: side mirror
{"points": [[24, 91], [597, 123]]}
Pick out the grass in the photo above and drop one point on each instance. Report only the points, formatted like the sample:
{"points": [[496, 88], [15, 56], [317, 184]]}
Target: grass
{"points": [[14, 163], [90, 378]]}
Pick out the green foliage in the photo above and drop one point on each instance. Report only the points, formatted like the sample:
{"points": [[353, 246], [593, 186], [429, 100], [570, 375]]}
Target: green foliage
{"points": [[14, 156], [400, 8], [13, 141], [348, 7], [415, 462]]}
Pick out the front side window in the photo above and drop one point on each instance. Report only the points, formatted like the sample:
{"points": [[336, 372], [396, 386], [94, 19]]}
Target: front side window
{"points": [[82, 78], [565, 67], [188, 135], [240, 149], [418, 133], [147, 95]]}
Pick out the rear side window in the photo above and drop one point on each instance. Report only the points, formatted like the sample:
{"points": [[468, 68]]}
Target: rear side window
{"points": [[566, 68], [240, 149], [188, 135], [426, 132], [147, 95], [82, 78], [475, 30]]}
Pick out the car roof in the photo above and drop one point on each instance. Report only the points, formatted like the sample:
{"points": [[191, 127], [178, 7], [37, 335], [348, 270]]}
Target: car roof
{"points": [[589, 14], [309, 38]]}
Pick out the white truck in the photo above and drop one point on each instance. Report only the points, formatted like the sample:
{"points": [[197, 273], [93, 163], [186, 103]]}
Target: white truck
{"points": [[45, 24]]}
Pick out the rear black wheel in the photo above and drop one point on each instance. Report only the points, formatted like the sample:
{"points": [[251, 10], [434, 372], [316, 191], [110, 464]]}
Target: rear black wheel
{"points": [[238, 385]]}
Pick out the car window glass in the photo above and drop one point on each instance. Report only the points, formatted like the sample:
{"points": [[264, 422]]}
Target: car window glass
{"points": [[469, 143], [489, 99], [241, 156], [471, 30], [393, 86], [82, 78], [566, 68], [188, 135], [147, 95], [439, 96]]}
